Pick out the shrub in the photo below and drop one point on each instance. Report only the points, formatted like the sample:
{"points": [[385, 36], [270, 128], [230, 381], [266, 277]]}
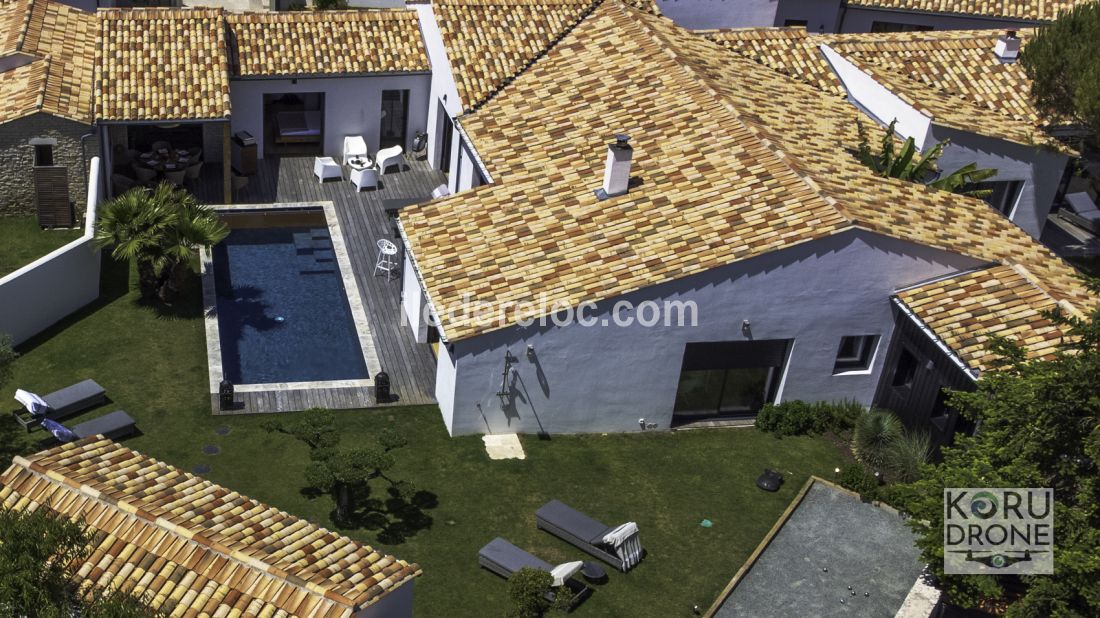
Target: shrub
{"points": [[527, 588], [905, 455], [874, 431], [796, 418], [859, 479]]}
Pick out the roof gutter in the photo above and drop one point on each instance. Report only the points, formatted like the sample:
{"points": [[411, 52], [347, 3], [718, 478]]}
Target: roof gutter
{"points": [[420, 281], [971, 373]]}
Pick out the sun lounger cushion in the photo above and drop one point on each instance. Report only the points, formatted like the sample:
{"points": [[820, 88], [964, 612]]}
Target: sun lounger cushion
{"points": [[114, 425], [564, 571], [72, 399], [58, 430], [1083, 205], [576, 523], [511, 558], [33, 403]]}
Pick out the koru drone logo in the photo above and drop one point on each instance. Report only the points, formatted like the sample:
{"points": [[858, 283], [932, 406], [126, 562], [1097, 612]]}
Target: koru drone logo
{"points": [[1000, 531]]}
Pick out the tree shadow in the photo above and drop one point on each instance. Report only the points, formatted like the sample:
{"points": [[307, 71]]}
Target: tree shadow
{"points": [[395, 518]]}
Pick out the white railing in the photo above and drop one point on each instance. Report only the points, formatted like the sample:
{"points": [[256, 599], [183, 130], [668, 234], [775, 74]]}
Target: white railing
{"points": [[47, 290]]}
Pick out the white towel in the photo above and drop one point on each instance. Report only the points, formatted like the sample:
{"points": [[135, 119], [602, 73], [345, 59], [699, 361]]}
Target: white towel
{"points": [[617, 536], [33, 403], [564, 571]]}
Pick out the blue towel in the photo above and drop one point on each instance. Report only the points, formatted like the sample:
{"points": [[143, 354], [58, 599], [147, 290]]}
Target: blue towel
{"points": [[58, 430]]}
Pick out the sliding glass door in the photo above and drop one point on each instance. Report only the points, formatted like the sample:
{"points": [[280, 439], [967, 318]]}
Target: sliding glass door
{"points": [[728, 378]]}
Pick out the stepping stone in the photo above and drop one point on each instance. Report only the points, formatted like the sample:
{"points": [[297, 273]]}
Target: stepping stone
{"points": [[223, 430], [504, 446], [201, 469], [211, 449]]}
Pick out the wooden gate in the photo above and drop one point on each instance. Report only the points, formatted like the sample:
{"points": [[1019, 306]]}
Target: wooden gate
{"points": [[51, 193]]}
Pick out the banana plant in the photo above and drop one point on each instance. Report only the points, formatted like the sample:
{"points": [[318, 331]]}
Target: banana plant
{"points": [[904, 164]]}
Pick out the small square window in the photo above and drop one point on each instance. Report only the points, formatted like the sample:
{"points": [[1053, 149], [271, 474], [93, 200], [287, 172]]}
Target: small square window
{"points": [[794, 23], [855, 353]]}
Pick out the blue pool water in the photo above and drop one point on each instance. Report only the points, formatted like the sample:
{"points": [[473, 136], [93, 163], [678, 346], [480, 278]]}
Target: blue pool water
{"points": [[283, 315]]}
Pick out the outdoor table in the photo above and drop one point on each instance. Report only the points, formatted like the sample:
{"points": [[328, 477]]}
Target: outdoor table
{"points": [[593, 572]]}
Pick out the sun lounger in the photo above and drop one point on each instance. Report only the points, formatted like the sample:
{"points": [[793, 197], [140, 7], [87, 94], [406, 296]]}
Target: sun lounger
{"points": [[115, 425], [64, 403], [1081, 211], [619, 546], [504, 559]]}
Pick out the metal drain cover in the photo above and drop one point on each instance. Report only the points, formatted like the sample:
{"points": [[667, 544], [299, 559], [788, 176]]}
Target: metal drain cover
{"points": [[211, 449], [201, 469], [223, 430]]}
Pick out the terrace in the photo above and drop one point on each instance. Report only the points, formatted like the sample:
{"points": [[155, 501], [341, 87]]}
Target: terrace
{"points": [[363, 221]]}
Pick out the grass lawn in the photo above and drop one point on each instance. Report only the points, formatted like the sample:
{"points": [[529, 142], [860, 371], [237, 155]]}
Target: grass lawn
{"points": [[22, 241], [153, 365]]}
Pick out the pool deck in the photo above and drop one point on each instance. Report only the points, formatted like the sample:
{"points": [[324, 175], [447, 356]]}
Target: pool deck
{"points": [[410, 365]]}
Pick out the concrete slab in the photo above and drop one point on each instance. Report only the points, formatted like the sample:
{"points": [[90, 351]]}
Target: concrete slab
{"points": [[504, 446]]}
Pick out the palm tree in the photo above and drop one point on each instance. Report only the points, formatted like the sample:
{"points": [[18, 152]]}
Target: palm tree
{"points": [[161, 230], [904, 164]]}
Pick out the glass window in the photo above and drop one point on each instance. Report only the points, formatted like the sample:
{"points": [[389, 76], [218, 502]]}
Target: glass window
{"points": [[855, 353], [893, 26], [729, 378], [906, 370], [1002, 194], [795, 22]]}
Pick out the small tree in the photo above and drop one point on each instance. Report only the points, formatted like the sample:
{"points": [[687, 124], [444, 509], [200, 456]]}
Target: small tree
{"points": [[904, 164], [1063, 62], [161, 231]]}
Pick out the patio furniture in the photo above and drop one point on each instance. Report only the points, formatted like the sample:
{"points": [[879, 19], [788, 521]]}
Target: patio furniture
{"points": [[239, 183], [1081, 210], [59, 404], [176, 177], [117, 424], [504, 559], [121, 183], [387, 258], [364, 177], [619, 546], [389, 156], [194, 153], [440, 191], [145, 176], [193, 171], [161, 145], [593, 572], [327, 167], [354, 146]]}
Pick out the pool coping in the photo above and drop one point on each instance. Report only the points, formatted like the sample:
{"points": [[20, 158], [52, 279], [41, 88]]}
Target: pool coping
{"points": [[351, 290]]}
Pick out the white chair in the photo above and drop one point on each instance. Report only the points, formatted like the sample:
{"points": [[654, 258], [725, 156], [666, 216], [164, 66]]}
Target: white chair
{"points": [[354, 146], [327, 167], [364, 177], [440, 191], [145, 176], [387, 258], [389, 156]]}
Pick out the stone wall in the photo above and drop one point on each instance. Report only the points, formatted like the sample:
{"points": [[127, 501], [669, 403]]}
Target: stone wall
{"points": [[17, 159]]}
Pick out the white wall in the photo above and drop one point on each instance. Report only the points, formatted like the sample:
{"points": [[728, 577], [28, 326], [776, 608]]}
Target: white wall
{"points": [[396, 604], [861, 19], [1040, 170], [352, 105], [604, 378], [446, 381], [444, 92], [47, 290], [875, 99], [413, 302]]}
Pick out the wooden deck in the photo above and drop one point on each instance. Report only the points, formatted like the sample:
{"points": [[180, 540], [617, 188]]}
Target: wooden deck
{"points": [[410, 365]]}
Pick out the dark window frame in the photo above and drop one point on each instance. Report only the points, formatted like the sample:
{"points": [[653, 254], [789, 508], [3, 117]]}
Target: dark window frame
{"points": [[863, 356]]}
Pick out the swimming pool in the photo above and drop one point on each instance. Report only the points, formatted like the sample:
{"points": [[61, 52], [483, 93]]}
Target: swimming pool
{"points": [[283, 313]]}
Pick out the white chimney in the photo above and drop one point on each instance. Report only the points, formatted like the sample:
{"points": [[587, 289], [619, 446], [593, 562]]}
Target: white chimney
{"points": [[1008, 46], [616, 171]]}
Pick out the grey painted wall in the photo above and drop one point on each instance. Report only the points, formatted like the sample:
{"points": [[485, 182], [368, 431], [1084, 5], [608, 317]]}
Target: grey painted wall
{"points": [[50, 288], [396, 604], [820, 15], [352, 106], [606, 378], [700, 14], [860, 20], [1039, 168]]}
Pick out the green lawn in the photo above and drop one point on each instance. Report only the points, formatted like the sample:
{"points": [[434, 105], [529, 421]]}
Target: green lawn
{"points": [[22, 241], [153, 365]]}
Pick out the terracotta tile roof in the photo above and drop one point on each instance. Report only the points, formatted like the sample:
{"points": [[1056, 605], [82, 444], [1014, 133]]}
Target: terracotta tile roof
{"points": [[194, 548], [951, 76], [964, 311], [161, 64], [327, 42], [59, 41], [734, 160], [1030, 10], [490, 42]]}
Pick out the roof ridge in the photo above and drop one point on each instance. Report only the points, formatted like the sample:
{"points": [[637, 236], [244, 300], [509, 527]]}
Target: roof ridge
{"points": [[1064, 303], [706, 82], [207, 540]]}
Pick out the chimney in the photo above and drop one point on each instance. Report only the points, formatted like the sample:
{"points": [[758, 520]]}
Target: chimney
{"points": [[616, 172], [1008, 46]]}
